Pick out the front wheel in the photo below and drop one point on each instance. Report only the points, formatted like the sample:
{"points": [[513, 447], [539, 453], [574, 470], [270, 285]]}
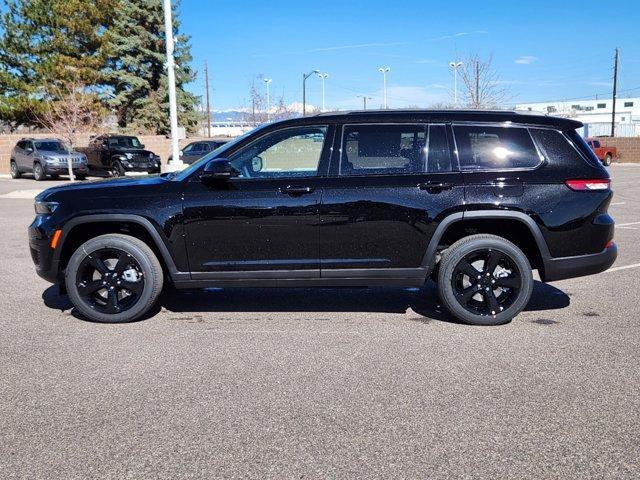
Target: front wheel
{"points": [[113, 278], [117, 170], [484, 280], [38, 172], [607, 160]]}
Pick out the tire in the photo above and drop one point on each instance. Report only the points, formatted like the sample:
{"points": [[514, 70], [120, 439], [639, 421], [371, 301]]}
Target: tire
{"points": [[117, 170], [15, 171], [38, 172], [129, 268], [607, 160], [505, 269]]}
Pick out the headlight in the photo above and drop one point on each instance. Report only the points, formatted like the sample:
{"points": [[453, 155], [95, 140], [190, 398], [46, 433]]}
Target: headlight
{"points": [[129, 155], [45, 208], [50, 159]]}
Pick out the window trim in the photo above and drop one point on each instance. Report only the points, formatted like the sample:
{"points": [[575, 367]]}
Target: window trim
{"points": [[542, 159], [276, 131], [454, 168]]}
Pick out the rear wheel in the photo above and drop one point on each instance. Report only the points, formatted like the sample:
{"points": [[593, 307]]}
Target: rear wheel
{"points": [[15, 171], [607, 160], [38, 172], [484, 280], [113, 278]]}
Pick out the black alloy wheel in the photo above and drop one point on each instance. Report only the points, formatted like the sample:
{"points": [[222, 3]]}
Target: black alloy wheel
{"points": [[114, 278], [110, 280], [484, 280], [15, 171]]}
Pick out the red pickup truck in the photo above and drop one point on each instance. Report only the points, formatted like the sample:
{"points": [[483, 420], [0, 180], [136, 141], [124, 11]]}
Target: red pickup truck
{"points": [[605, 154]]}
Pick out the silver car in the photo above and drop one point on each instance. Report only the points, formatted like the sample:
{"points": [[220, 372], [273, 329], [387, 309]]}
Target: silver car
{"points": [[46, 156]]}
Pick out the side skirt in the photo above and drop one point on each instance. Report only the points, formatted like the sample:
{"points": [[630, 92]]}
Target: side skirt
{"points": [[365, 282]]}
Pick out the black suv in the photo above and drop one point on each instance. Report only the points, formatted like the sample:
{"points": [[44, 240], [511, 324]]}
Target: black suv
{"points": [[121, 154], [473, 199]]}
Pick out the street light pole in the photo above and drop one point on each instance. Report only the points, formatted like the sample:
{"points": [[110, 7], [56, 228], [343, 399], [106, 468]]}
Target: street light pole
{"points": [[455, 66], [323, 77], [384, 71], [267, 81], [176, 162], [304, 90]]}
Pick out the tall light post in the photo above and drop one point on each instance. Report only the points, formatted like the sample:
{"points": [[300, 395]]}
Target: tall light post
{"points": [[176, 162], [384, 71], [267, 81], [304, 90], [364, 100], [455, 66], [323, 77]]}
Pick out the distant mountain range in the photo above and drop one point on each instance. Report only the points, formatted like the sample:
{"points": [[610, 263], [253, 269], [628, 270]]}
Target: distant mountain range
{"points": [[239, 114]]}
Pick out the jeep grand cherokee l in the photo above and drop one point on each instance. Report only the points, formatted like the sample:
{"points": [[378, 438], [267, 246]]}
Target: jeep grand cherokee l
{"points": [[475, 200]]}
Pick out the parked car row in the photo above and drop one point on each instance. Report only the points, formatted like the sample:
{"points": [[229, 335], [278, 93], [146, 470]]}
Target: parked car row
{"points": [[110, 154]]}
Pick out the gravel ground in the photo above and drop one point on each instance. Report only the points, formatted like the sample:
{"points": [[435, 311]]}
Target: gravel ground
{"points": [[324, 383]]}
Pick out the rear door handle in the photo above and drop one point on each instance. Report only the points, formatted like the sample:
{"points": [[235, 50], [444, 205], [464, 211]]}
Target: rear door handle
{"points": [[296, 190], [435, 186]]}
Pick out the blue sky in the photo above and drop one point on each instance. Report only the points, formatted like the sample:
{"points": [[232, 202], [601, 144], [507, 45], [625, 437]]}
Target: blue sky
{"points": [[542, 50]]}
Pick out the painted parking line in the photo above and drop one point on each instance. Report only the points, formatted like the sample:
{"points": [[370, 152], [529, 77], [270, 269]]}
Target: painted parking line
{"points": [[624, 267], [617, 203]]}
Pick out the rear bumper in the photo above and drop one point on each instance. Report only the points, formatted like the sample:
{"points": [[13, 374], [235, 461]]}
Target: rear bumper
{"points": [[570, 267]]}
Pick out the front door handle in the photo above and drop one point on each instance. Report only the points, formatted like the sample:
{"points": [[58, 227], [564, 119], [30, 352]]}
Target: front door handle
{"points": [[296, 190], [435, 186]]}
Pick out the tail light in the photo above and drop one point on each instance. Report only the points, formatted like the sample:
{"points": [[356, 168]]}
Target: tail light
{"points": [[588, 185]]}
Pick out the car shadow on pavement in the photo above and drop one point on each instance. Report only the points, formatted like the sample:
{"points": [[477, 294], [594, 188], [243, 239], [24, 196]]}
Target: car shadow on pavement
{"points": [[422, 301]]}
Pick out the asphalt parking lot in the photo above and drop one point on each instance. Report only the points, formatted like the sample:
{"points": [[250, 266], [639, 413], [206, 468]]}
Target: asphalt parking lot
{"points": [[321, 384]]}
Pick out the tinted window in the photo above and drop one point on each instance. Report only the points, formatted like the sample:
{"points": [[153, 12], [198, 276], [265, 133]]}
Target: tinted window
{"points": [[50, 146], [495, 148], [124, 142], [22, 144], [189, 148], [556, 147], [206, 147], [596, 144], [628, 104], [383, 149], [438, 154], [293, 152]]}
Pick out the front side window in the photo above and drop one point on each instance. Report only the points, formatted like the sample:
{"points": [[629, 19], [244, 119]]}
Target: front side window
{"points": [[124, 142], [292, 152], [383, 149], [495, 148]]}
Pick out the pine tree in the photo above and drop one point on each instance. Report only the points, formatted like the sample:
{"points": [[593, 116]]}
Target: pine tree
{"points": [[46, 45], [136, 69]]}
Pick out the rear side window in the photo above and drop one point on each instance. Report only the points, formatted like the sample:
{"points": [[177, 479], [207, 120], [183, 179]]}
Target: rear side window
{"points": [[495, 148], [383, 149], [579, 143]]}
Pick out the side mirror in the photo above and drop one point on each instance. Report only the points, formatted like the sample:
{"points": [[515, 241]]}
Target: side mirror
{"points": [[29, 150], [104, 146], [181, 153], [218, 169], [142, 145]]}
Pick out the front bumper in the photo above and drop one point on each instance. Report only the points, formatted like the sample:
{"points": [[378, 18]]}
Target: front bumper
{"points": [[63, 169], [581, 265], [42, 254]]}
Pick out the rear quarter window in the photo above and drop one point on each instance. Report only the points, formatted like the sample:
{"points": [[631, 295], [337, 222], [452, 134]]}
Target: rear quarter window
{"points": [[567, 147]]}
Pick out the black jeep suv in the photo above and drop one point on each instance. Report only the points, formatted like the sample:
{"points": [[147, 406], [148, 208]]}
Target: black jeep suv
{"points": [[122, 153], [473, 199]]}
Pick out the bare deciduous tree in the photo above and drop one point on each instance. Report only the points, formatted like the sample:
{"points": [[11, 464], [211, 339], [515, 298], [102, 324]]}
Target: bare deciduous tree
{"points": [[482, 88], [278, 110], [69, 110]]}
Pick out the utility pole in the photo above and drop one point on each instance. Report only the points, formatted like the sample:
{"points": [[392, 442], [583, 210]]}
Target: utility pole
{"points": [[364, 100], [206, 83], [176, 162], [615, 92]]}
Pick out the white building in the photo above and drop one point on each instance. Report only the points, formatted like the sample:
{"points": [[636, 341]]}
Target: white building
{"points": [[596, 114]]}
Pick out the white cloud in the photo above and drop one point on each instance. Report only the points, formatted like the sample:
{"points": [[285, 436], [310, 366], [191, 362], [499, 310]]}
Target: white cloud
{"points": [[526, 59], [461, 34], [360, 45]]}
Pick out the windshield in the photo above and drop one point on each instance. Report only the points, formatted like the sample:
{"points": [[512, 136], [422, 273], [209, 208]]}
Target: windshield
{"points": [[218, 152], [51, 146], [124, 142]]}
